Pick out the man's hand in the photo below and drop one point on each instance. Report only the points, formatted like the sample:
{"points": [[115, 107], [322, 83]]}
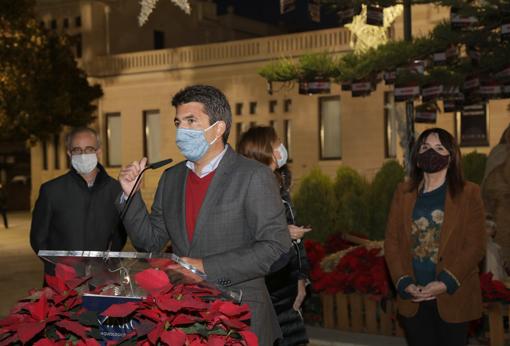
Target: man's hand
{"points": [[128, 175], [195, 262], [301, 294], [297, 232]]}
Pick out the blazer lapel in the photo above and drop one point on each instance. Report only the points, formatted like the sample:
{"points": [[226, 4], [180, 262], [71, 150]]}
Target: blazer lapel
{"points": [[451, 209], [218, 184], [180, 198], [409, 202]]}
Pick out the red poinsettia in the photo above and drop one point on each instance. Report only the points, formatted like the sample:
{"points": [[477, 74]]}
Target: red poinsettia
{"points": [[360, 270], [170, 315], [48, 316]]}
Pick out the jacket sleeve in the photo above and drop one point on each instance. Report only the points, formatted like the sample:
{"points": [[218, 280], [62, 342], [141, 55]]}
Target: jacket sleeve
{"points": [[475, 239], [265, 216], [393, 239], [147, 232], [41, 219]]}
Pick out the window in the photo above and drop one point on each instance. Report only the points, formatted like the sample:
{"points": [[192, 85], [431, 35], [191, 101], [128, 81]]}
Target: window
{"points": [[113, 139], [159, 39], [77, 22], [390, 126], [239, 132], [253, 107], [272, 106], [329, 128], [272, 123], [287, 105], [152, 135], [77, 44], [56, 151], [239, 108], [44, 147], [472, 126], [287, 137], [53, 24], [252, 124], [66, 23]]}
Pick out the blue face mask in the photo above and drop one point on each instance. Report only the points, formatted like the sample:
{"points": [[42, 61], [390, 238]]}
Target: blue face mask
{"points": [[192, 143]]}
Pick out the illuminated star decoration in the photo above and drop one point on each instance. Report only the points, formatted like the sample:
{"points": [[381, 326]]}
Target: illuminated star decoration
{"points": [[365, 36], [147, 6]]}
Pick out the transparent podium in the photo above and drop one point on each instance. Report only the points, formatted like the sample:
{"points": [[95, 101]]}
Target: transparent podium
{"points": [[115, 271], [111, 276]]}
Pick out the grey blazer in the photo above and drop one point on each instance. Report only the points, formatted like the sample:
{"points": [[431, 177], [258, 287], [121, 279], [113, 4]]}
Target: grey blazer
{"points": [[240, 232]]}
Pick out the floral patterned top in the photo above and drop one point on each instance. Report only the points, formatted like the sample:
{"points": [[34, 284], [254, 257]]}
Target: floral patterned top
{"points": [[428, 215]]}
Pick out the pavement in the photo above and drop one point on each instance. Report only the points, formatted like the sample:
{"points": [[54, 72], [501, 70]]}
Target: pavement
{"points": [[22, 270]]}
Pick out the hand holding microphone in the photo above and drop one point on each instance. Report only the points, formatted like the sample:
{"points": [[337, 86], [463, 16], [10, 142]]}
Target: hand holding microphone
{"points": [[129, 174]]}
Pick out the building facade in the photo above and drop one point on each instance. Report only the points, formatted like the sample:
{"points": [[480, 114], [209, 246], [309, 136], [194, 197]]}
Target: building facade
{"points": [[135, 117]]}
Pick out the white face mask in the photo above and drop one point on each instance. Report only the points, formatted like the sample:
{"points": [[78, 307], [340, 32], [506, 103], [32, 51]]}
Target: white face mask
{"points": [[283, 156], [84, 163]]}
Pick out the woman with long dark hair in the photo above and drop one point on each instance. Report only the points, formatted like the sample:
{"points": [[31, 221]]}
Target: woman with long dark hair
{"points": [[435, 239], [286, 286]]}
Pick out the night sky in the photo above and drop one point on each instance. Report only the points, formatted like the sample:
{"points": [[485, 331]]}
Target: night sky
{"points": [[269, 11]]}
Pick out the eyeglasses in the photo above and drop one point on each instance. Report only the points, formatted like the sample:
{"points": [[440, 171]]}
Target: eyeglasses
{"points": [[79, 151]]}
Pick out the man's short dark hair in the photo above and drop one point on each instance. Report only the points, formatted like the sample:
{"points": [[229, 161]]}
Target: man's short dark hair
{"points": [[77, 130], [215, 104]]}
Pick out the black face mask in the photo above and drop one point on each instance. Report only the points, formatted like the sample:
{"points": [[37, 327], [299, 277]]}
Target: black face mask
{"points": [[431, 161]]}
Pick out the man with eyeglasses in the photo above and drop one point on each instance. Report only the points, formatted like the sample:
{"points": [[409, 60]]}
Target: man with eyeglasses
{"points": [[76, 210]]}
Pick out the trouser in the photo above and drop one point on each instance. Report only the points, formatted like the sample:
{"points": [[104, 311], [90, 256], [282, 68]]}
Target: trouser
{"points": [[4, 215], [426, 328]]}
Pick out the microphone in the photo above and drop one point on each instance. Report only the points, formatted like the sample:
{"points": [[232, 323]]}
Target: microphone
{"points": [[154, 165], [158, 164]]}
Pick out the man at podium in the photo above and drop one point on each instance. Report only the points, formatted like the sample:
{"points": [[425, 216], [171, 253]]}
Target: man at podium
{"points": [[221, 211]]}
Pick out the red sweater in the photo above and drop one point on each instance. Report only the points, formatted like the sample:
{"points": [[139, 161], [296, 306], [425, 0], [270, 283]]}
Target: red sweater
{"points": [[196, 189]]}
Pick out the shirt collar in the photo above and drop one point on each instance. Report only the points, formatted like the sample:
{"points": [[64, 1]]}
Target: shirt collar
{"points": [[211, 166]]}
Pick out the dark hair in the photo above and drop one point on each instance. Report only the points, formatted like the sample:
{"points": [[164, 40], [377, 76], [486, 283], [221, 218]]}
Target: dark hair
{"points": [[505, 137], [77, 130], [257, 143], [215, 104], [454, 174]]}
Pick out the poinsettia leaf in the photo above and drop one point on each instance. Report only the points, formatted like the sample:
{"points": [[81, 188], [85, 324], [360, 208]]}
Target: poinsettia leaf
{"points": [[12, 320], [183, 319], [233, 323], [57, 284], [154, 335], [64, 272], [74, 327], [153, 314], [39, 309], [121, 310], [44, 342], [195, 340], [167, 303], [174, 337], [216, 340], [152, 280], [250, 338], [26, 331], [231, 309], [91, 342], [76, 282], [9, 340]]}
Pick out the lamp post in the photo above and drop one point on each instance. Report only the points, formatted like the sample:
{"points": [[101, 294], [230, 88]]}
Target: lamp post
{"points": [[410, 133]]}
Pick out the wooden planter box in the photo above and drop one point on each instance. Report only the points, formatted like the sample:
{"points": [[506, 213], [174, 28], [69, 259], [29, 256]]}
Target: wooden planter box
{"points": [[360, 314]]}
